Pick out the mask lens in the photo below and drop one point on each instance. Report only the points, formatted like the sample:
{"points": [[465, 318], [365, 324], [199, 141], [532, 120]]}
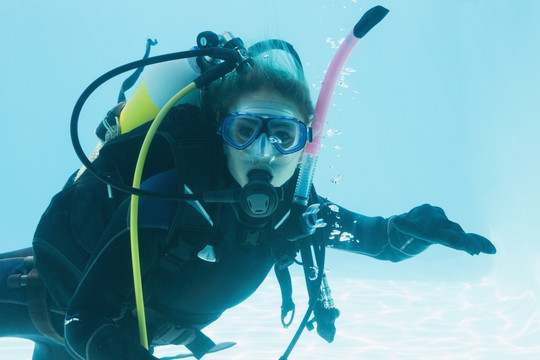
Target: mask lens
{"points": [[239, 131], [286, 134]]}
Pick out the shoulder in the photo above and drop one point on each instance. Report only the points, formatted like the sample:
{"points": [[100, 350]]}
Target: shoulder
{"points": [[187, 123], [155, 211]]}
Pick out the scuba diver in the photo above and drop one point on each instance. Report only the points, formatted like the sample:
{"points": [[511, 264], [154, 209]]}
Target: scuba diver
{"points": [[240, 143]]}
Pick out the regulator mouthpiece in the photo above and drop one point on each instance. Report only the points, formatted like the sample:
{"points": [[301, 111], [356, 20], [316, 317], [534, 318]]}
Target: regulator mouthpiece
{"points": [[258, 198]]}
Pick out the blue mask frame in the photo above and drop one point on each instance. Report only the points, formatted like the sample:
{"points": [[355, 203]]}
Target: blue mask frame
{"points": [[268, 124]]}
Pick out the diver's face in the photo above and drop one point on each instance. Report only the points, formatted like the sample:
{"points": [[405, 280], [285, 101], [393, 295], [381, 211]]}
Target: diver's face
{"points": [[269, 138]]}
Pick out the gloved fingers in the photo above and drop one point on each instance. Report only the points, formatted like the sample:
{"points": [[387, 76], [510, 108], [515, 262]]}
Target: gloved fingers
{"points": [[479, 244], [430, 224], [473, 244]]}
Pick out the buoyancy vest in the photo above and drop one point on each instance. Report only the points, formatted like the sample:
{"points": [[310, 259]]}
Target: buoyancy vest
{"points": [[71, 226]]}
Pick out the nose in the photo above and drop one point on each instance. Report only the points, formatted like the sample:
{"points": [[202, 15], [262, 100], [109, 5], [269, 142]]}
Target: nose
{"points": [[265, 149]]}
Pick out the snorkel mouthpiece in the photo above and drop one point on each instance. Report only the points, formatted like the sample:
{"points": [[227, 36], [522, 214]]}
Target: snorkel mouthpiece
{"points": [[258, 198]]}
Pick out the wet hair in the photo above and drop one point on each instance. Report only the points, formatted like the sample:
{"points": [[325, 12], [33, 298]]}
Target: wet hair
{"points": [[274, 70]]}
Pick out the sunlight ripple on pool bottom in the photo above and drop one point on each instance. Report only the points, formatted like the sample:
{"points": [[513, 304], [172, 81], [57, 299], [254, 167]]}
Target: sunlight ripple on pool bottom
{"points": [[380, 320], [393, 320]]}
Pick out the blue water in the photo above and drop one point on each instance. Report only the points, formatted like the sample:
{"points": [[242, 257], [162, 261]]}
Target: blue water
{"points": [[438, 104]]}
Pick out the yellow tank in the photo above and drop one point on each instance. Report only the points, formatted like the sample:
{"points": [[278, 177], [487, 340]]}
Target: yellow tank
{"points": [[161, 83]]}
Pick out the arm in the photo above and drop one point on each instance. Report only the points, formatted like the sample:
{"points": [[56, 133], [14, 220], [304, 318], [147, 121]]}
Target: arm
{"points": [[398, 237]]}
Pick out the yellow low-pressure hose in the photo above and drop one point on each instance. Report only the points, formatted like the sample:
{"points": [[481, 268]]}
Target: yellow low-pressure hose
{"points": [[134, 215]]}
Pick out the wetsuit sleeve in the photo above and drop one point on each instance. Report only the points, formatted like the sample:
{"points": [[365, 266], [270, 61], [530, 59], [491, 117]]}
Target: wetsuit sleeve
{"points": [[91, 329], [398, 237], [372, 236]]}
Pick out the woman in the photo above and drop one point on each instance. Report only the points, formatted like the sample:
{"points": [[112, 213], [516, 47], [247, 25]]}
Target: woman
{"points": [[198, 259]]}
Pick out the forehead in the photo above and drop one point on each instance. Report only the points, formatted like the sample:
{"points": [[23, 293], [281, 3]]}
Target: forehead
{"points": [[268, 103]]}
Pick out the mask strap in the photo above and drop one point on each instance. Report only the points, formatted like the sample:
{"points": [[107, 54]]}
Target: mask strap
{"points": [[275, 44]]}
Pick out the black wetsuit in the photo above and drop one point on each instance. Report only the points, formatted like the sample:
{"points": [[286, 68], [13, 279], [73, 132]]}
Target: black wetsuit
{"points": [[199, 291], [91, 278]]}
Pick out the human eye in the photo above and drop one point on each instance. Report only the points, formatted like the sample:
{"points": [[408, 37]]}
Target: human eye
{"points": [[284, 136], [244, 129], [286, 133]]}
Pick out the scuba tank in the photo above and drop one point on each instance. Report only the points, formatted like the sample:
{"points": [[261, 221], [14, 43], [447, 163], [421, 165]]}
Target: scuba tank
{"points": [[166, 79], [161, 83], [156, 88]]}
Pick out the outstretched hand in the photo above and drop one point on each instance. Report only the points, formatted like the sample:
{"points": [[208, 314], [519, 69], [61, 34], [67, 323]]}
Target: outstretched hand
{"points": [[430, 224]]}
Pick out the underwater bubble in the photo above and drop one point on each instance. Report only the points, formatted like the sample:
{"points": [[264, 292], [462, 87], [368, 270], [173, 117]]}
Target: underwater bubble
{"points": [[334, 208], [337, 147], [336, 179], [346, 236], [332, 132], [332, 43]]}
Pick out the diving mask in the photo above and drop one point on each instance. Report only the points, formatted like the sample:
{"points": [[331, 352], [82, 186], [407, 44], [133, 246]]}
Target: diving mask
{"points": [[287, 134], [264, 132]]}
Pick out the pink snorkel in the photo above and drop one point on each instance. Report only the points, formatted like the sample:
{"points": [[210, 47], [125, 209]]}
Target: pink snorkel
{"points": [[301, 196], [371, 18]]}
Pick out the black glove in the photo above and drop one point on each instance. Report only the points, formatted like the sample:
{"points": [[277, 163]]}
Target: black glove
{"points": [[429, 224], [326, 318]]}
